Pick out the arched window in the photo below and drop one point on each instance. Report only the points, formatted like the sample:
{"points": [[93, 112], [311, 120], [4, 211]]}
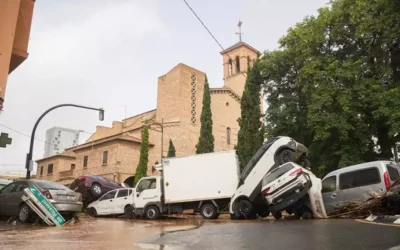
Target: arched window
{"points": [[248, 61], [230, 67], [228, 136], [237, 65]]}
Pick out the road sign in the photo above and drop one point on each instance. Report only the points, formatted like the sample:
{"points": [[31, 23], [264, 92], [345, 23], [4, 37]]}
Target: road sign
{"points": [[46, 206]]}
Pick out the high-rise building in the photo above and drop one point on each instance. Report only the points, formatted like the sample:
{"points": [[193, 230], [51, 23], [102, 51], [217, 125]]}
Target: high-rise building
{"points": [[58, 139]]}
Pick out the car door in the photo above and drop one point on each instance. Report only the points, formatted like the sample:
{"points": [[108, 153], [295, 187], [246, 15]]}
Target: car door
{"points": [[4, 193], [329, 192], [121, 200], [146, 191], [14, 199], [105, 205]]}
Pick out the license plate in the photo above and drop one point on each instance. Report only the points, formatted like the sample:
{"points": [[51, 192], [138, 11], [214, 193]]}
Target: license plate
{"points": [[65, 197]]}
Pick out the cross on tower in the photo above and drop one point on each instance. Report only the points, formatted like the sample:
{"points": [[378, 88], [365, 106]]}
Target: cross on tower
{"points": [[240, 31], [4, 140]]}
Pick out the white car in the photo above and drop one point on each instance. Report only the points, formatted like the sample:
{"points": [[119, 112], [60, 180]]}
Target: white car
{"points": [[247, 200], [118, 202], [284, 186]]}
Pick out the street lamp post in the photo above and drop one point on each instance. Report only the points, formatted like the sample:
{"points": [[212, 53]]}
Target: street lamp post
{"points": [[162, 135], [29, 162]]}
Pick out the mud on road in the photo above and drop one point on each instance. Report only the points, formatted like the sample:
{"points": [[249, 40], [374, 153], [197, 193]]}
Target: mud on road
{"points": [[90, 233]]}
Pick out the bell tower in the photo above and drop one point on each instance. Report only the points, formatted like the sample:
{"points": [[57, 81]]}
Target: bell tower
{"points": [[236, 60]]}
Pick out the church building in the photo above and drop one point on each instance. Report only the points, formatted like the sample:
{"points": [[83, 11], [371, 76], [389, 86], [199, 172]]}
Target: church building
{"points": [[113, 152]]}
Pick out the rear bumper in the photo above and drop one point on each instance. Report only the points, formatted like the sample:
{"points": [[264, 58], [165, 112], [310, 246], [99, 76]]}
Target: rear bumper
{"points": [[68, 207], [291, 198]]}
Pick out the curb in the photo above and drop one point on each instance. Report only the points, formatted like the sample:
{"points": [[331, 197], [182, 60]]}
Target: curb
{"points": [[387, 220]]}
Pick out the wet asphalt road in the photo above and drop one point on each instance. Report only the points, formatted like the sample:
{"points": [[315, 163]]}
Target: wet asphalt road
{"points": [[111, 233], [322, 234]]}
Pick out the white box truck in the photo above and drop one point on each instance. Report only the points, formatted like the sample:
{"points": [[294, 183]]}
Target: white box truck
{"points": [[203, 182]]}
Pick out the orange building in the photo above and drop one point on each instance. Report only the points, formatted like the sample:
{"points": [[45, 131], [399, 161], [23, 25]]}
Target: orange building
{"points": [[15, 27]]}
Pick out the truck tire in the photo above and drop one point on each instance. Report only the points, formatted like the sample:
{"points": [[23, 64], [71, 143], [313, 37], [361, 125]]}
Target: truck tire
{"points": [[285, 156], [152, 212], [209, 211]]}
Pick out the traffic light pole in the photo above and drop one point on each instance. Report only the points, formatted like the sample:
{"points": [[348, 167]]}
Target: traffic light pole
{"points": [[29, 162]]}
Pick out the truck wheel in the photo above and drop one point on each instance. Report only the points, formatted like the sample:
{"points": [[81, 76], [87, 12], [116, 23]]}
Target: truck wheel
{"points": [[246, 208], [263, 211], [209, 211], [152, 212], [285, 156], [277, 215]]}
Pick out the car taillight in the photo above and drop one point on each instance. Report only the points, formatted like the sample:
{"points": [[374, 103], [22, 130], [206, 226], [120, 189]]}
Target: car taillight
{"points": [[82, 178], [47, 194], [296, 172], [265, 191], [387, 181]]}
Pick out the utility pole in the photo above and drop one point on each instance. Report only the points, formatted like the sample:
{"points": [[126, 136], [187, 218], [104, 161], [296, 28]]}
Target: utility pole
{"points": [[29, 162], [162, 135], [240, 31]]}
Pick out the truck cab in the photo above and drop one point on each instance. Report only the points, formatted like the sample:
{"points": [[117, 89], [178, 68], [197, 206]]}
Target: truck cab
{"points": [[147, 197]]}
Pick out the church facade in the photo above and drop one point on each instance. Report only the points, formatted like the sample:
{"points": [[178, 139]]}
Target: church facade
{"points": [[113, 152]]}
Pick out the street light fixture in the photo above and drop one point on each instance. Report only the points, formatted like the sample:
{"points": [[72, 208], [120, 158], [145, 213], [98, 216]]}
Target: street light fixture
{"points": [[29, 162]]}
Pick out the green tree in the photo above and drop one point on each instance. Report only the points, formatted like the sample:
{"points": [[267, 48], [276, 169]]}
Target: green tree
{"points": [[206, 139], [251, 132], [334, 83], [171, 149], [141, 169]]}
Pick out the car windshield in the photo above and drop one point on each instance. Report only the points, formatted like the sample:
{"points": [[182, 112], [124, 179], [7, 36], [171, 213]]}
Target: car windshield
{"points": [[276, 173], [253, 162], [48, 185]]}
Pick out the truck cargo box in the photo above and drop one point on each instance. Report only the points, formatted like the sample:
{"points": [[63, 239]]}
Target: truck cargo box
{"points": [[209, 176]]}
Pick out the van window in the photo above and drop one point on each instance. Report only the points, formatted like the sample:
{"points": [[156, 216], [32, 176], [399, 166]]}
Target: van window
{"points": [[393, 172], [329, 184], [257, 156], [359, 178]]}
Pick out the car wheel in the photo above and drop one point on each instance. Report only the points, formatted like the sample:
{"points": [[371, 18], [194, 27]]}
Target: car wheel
{"points": [[307, 215], [289, 211], [277, 215], [128, 211], [152, 212], [285, 156], [246, 208], [25, 213], [263, 211], [209, 211], [91, 211], [96, 190]]}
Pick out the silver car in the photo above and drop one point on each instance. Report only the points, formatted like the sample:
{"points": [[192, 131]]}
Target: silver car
{"points": [[358, 183], [66, 201]]}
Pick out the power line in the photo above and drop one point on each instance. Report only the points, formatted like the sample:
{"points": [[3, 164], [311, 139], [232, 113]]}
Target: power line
{"points": [[215, 39], [19, 132]]}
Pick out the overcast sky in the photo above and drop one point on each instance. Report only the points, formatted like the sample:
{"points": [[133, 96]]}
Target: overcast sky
{"points": [[109, 54]]}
